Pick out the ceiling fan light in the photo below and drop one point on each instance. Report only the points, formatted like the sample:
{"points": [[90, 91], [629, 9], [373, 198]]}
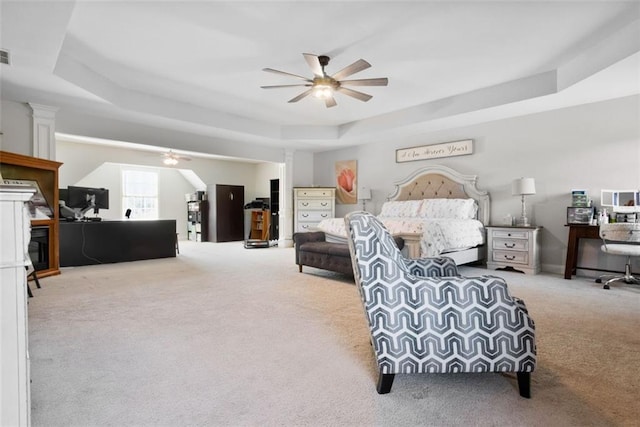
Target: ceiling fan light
{"points": [[171, 161], [323, 91]]}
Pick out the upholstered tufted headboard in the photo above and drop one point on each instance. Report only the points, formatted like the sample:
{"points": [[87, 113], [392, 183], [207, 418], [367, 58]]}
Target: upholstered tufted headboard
{"points": [[441, 182]]}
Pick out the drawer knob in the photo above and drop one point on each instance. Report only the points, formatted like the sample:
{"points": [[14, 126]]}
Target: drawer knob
{"points": [[510, 246], [305, 215], [509, 234], [509, 257]]}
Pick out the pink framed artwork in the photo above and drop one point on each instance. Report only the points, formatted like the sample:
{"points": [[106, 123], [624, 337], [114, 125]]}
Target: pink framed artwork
{"points": [[346, 182]]}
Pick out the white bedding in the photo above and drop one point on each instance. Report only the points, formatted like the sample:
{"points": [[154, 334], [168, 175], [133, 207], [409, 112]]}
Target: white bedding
{"points": [[445, 225], [439, 235]]}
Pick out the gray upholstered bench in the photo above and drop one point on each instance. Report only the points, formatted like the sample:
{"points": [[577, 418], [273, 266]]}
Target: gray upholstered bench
{"points": [[313, 250]]}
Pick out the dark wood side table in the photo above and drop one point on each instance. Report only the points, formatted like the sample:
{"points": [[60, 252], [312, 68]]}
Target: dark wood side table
{"points": [[577, 232]]}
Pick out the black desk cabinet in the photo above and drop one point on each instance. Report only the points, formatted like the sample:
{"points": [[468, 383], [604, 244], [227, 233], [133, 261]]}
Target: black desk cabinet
{"points": [[87, 243]]}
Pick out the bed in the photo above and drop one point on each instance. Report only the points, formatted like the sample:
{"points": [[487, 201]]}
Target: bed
{"points": [[437, 211]]}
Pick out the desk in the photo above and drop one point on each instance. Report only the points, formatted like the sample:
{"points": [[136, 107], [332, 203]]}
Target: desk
{"points": [[87, 243], [577, 232]]}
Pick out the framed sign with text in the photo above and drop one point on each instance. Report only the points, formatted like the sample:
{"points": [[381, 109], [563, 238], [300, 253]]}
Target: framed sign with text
{"points": [[435, 151]]}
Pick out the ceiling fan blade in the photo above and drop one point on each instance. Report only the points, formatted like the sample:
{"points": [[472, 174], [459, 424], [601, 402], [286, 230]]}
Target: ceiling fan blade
{"points": [[354, 93], [356, 67], [278, 86], [302, 95], [271, 70], [314, 63], [383, 81], [330, 102]]}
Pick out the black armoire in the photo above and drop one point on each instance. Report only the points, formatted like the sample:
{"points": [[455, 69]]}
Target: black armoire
{"points": [[226, 213]]}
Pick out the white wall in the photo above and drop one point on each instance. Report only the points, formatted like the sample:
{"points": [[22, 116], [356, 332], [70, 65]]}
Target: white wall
{"points": [[591, 146], [303, 166], [265, 172], [16, 127]]}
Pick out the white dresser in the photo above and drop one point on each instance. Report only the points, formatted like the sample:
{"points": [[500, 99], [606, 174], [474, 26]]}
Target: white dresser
{"points": [[15, 227], [312, 205], [514, 248]]}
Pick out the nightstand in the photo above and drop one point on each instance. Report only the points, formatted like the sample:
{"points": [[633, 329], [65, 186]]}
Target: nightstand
{"points": [[514, 248]]}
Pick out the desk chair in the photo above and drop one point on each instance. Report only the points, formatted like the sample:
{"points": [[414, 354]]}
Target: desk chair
{"points": [[626, 236]]}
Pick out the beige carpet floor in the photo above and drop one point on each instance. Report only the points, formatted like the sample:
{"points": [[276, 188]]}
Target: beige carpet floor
{"points": [[227, 336]]}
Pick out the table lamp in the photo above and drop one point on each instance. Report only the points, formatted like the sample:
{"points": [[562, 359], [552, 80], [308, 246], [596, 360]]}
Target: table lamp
{"points": [[523, 187], [364, 194]]}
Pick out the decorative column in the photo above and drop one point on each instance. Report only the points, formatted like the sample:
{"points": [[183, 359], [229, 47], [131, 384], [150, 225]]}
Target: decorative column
{"points": [[44, 126], [15, 387], [286, 201]]}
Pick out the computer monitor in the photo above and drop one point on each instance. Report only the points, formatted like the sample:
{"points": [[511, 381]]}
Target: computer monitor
{"points": [[85, 198]]}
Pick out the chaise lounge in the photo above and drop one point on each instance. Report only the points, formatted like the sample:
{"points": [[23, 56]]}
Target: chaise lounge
{"points": [[426, 318]]}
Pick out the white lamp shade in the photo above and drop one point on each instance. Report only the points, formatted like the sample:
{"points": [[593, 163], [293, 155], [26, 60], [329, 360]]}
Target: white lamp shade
{"points": [[364, 193], [523, 186]]}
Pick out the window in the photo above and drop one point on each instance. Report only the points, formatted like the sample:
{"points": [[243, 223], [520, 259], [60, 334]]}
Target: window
{"points": [[140, 193]]}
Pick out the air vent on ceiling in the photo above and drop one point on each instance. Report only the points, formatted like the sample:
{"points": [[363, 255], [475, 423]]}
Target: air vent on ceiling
{"points": [[4, 56]]}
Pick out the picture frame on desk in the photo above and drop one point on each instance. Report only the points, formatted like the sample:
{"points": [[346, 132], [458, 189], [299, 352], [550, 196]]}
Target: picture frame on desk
{"points": [[580, 215]]}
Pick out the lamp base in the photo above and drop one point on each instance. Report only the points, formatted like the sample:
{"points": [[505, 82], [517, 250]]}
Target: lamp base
{"points": [[523, 221]]}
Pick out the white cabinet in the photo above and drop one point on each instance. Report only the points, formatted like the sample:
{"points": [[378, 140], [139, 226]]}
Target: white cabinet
{"points": [[312, 205], [514, 248], [15, 400]]}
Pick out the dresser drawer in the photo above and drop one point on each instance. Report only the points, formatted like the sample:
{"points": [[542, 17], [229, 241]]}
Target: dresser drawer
{"points": [[511, 244], [511, 257], [315, 192], [314, 204], [314, 216], [510, 234], [306, 226]]}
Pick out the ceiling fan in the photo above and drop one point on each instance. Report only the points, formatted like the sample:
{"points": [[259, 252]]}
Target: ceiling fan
{"points": [[172, 158], [323, 86]]}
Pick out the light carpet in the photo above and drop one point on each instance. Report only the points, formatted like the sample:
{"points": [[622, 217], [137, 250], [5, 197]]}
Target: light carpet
{"points": [[222, 335]]}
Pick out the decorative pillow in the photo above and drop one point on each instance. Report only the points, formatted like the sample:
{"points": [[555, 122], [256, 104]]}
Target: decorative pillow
{"points": [[401, 209], [449, 208]]}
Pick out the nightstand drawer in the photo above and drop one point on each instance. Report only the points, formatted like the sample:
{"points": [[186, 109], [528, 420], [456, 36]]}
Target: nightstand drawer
{"points": [[511, 257], [511, 244], [510, 234]]}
